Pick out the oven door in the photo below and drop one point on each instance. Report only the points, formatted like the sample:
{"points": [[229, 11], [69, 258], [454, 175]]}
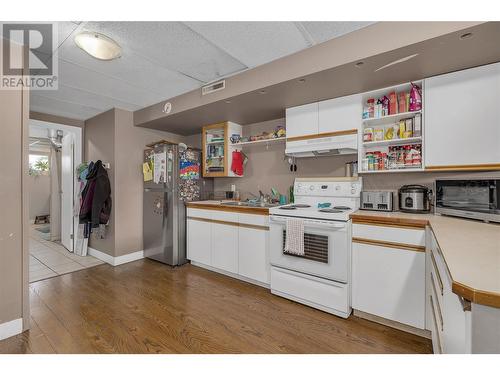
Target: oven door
{"points": [[326, 248]]}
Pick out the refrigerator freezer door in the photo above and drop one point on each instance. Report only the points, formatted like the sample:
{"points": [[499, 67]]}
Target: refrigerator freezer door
{"points": [[160, 226]]}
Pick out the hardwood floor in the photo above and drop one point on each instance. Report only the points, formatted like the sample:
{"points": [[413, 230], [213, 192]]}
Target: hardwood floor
{"points": [[147, 307]]}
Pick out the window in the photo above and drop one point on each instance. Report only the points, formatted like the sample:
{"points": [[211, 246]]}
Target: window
{"points": [[38, 164]]}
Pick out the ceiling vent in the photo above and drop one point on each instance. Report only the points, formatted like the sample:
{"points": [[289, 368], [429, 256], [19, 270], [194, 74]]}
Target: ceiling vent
{"points": [[213, 87]]}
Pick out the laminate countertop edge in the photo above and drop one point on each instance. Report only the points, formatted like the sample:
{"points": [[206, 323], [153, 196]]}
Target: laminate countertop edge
{"points": [[217, 206], [434, 222]]}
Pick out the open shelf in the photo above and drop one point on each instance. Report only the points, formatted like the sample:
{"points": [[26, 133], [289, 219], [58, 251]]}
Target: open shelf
{"points": [[271, 140], [401, 170], [389, 119], [388, 151], [393, 142]]}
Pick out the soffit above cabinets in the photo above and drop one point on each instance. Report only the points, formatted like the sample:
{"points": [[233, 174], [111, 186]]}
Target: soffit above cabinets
{"points": [[437, 55], [161, 60]]}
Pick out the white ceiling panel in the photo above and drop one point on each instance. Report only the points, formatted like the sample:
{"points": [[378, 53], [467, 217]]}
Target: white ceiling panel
{"points": [[253, 43], [133, 69], [161, 60], [40, 103], [75, 76], [323, 31], [64, 30], [173, 45], [91, 99]]}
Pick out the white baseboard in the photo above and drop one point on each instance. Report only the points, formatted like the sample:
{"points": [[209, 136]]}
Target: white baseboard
{"points": [[116, 261], [12, 328]]}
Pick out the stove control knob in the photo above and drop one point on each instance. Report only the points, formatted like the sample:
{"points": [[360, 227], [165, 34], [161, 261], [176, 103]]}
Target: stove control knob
{"points": [[353, 191], [337, 187], [311, 187]]}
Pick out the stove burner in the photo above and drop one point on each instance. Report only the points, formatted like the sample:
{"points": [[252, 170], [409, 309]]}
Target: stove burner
{"points": [[330, 210], [341, 208], [294, 206]]}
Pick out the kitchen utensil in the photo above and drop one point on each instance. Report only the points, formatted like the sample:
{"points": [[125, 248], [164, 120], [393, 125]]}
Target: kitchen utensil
{"points": [[379, 200], [414, 198]]}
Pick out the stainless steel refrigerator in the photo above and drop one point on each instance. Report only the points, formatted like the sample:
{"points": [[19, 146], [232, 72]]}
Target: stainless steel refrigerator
{"points": [[175, 178]]}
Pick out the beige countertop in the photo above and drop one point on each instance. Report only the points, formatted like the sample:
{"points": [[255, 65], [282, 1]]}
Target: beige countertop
{"points": [[471, 250], [218, 205]]}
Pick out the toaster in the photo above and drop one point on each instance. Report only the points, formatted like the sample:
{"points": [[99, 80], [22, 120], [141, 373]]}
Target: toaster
{"points": [[379, 200]]}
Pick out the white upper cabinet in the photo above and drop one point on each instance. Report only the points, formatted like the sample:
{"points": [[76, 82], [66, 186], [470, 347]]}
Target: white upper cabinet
{"points": [[302, 120], [340, 114], [462, 119]]}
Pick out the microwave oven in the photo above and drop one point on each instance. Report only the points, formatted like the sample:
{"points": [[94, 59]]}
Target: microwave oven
{"points": [[471, 198]]}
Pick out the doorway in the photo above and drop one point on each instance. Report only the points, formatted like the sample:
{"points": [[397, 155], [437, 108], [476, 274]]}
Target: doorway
{"points": [[55, 152]]}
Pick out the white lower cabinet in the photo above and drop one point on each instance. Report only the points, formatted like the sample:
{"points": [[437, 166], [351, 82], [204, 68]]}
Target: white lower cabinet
{"points": [[253, 260], [388, 273], [389, 283], [225, 247], [451, 333], [230, 242], [199, 239]]}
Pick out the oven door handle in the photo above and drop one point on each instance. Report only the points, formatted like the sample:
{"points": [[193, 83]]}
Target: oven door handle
{"points": [[311, 223]]}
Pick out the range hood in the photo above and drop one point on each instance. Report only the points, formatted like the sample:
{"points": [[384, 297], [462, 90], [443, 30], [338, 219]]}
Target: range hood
{"points": [[322, 146]]}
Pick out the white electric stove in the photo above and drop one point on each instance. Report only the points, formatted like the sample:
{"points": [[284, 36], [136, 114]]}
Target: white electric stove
{"points": [[321, 277]]}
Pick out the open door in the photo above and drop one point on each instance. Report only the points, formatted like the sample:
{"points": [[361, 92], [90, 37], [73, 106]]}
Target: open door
{"points": [[67, 189]]}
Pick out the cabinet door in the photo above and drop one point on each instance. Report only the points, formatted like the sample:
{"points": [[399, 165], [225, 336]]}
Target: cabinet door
{"points": [[199, 239], [462, 121], [340, 114], [302, 120], [253, 258], [389, 283], [225, 247]]}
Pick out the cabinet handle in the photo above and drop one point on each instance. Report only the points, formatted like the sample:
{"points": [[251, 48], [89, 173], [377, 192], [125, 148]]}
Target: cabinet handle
{"points": [[440, 281], [437, 302], [435, 325], [395, 245]]}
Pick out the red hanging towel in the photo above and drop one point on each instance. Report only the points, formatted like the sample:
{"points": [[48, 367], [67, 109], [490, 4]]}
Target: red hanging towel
{"points": [[237, 163]]}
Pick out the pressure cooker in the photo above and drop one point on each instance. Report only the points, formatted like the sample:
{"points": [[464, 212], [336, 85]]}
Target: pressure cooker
{"points": [[414, 198]]}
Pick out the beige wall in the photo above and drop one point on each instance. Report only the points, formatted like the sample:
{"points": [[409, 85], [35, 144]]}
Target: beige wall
{"points": [[13, 203], [56, 119], [112, 137], [267, 168], [39, 195], [130, 142], [99, 144]]}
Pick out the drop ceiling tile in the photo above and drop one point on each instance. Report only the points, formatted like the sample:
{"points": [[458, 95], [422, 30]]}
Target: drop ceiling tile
{"points": [[253, 43], [133, 69], [323, 31], [172, 45], [85, 98], [75, 76], [54, 107], [63, 31]]}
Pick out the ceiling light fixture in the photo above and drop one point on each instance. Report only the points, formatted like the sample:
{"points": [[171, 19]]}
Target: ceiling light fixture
{"points": [[465, 36], [302, 80], [262, 92], [397, 62], [98, 45], [359, 64]]}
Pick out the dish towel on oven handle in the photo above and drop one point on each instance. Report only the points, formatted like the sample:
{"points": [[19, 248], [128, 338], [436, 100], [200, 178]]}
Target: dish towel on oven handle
{"points": [[294, 241]]}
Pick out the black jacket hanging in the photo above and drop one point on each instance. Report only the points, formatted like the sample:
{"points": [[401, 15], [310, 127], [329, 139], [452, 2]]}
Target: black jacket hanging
{"points": [[96, 197]]}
